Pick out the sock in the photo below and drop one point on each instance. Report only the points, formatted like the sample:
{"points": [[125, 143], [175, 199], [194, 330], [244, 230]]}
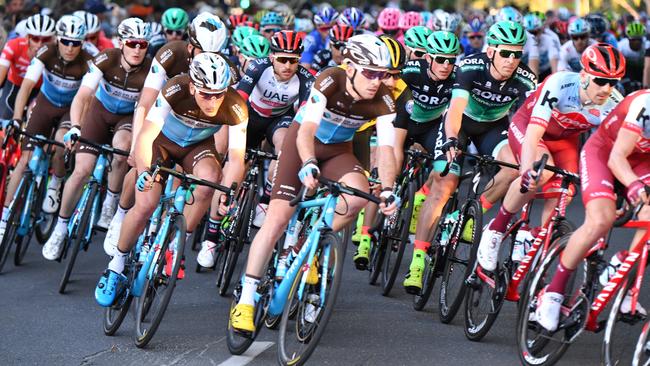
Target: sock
{"points": [[213, 230], [117, 263], [424, 190], [248, 290], [500, 222], [559, 281], [61, 225], [266, 196], [119, 214], [487, 205], [421, 245], [111, 198], [55, 182], [364, 230]]}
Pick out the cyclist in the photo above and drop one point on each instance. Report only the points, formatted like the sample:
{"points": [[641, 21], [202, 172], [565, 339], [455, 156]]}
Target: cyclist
{"points": [[388, 22], [443, 21], [550, 122], [63, 65], [272, 87], [333, 54], [474, 40], [252, 48], [354, 18], [317, 40], [570, 52], [174, 22], [431, 81], [116, 76], [407, 21], [237, 20], [548, 53], [600, 29], [617, 150], [271, 23], [634, 48], [16, 56], [158, 39], [96, 40], [180, 128], [236, 41], [415, 40]]}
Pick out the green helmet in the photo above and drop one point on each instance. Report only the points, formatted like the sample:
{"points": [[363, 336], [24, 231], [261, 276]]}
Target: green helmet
{"points": [[506, 33], [255, 46], [241, 33], [442, 42], [416, 37], [635, 30], [175, 19]]}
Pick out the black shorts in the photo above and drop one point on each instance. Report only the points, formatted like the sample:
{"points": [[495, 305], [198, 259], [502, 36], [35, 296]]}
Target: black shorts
{"points": [[361, 146], [168, 153], [425, 134], [44, 118], [8, 95], [260, 127]]}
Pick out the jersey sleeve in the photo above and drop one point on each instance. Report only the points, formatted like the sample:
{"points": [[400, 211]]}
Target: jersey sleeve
{"points": [[464, 77], [306, 82], [321, 60], [254, 71], [94, 74], [547, 99], [411, 72], [156, 77], [638, 114], [159, 111], [237, 136], [35, 70], [8, 53]]}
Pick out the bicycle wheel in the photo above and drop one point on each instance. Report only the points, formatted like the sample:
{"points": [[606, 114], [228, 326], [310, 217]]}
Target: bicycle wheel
{"points": [[235, 246], [238, 342], [642, 349], [483, 301], [397, 241], [457, 262], [13, 222], [73, 244], [378, 246], [22, 243], [311, 319], [536, 345], [114, 315], [159, 288]]}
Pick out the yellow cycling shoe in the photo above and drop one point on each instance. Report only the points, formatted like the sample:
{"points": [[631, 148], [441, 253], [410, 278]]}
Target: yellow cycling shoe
{"points": [[241, 318], [363, 251], [357, 232], [312, 275]]}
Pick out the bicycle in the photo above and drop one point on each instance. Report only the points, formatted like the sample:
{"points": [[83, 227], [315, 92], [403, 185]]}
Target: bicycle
{"points": [[84, 217], [585, 301], [307, 294], [25, 209], [488, 290], [9, 156]]}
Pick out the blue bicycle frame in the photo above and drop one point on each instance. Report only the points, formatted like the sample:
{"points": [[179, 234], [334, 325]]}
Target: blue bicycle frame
{"points": [[39, 166], [96, 178]]}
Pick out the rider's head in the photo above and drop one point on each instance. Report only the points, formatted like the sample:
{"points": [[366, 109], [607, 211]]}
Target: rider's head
{"points": [[339, 34], [70, 32], [325, 19], [635, 32], [368, 61], [40, 29], [579, 32], [286, 48], [134, 40], [415, 40], [397, 61], [506, 41], [93, 27], [602, 68], [210, 76], [206, 33], [239, 34], [174, 22], [442, 50], [253, 47]]}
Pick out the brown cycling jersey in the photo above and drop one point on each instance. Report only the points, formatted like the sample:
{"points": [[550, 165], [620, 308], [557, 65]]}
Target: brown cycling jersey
{"points": [[175, 60]]}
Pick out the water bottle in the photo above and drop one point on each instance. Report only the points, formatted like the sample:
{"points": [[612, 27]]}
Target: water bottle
{"points": [[614, 264], [523, 241], [312, 309]]}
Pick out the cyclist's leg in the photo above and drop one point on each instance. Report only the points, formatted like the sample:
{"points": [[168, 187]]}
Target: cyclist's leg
{"points": [[201, 160], [119, 167], [362, 150], [565, 154]]}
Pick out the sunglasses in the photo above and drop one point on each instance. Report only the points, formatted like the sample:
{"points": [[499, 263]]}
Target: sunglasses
{"points": [[419, 54], [211, 95], [442, 60], [131, 43], [393, 75], [40, 39], [284, 60], [581, 37], [271, 30], [508, 53], [338, 45], [476, 36], [170, 32], [70, 42], [604, 81], [373, 74]]}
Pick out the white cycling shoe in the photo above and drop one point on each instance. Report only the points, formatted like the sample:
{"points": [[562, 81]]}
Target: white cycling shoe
{"points": [[105, 218], [54, 245], [207, 254], [548, 309], [488, 249]]}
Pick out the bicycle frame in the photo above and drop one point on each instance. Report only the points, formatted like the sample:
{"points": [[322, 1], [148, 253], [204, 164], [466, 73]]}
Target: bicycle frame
{"points": [[97, 176], [9, 157], [38, 167]]}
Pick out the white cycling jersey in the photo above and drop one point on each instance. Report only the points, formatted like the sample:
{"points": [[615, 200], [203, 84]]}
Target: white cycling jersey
{"points": [[569, 59]]}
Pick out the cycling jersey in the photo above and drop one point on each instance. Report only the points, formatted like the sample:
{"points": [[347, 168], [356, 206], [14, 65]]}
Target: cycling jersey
{"points": [[183, 122], [322, 60], [312, 43], [14, 56], [489, 99], [569, 59], [430, 98], [633, 113], [269, 97], [634, 59], [555, 39], [117, 89], [341, 115], [547, 52], [61, 79], [90, 48]]}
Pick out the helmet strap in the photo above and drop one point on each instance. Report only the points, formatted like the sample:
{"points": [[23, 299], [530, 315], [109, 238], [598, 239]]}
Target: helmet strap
{"points": [[352, 82]]}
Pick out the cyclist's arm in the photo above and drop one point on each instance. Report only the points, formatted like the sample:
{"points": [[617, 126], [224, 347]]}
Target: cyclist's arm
{"points": [[454, 118], [4, 70], [617, 162], [32, 75], [385, 149], [148, 132], [235, 167], [84, 95], [313, 112], [147, 98], [534, 133]]}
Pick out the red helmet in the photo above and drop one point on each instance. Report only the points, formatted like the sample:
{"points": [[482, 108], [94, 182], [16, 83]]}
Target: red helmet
{"points": [[236, 20], [560, 27], [341, 33], [603, 61], [250, 23], [287, 41]]}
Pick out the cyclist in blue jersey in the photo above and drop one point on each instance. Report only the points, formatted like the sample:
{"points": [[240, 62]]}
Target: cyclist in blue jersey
{"points": [[317, 40]]}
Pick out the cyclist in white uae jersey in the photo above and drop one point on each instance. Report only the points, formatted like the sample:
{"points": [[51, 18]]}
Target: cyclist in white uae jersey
{"points": [[570, 52]]}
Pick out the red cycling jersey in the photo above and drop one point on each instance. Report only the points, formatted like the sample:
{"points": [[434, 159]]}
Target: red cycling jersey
{"points": [[103, 42], [14, 56]]}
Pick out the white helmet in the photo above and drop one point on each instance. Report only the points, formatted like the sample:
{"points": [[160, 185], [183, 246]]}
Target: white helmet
{"points": [[208, 33], [367, 50], [210, 71], [71, 27], [92, 21], [40, 25], [134, 28], [443, 21]]}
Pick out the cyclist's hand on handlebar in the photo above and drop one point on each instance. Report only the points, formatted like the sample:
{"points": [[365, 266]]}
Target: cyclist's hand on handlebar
{"points": [[145, 181], [529, 180], [308, 174], [636, 192], [451, 148], [223, 208], [10, 122], [389, 202], [71, 136]]}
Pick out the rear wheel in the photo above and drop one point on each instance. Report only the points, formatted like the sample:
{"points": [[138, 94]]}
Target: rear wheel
{"points": [[397, 241], [13, 222]]}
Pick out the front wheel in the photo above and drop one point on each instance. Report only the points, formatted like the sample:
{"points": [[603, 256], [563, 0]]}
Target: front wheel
{"points": [[13, 222], [642, 349], [398, 238]]}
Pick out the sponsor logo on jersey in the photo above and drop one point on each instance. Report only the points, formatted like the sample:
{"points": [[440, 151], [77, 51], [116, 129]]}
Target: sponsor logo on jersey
{"points": [[389, 102], [165, 56], [547, 99], [239, 111], [172, 89], [526, 73], [325, 83], [428, 99], [409, 107], [594, 112], [472, 61], [101, 58], [488, 95]]}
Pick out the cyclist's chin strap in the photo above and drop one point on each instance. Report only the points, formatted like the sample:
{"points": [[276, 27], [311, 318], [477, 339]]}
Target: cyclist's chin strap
{"points": [[492, 64], [352, 82]]}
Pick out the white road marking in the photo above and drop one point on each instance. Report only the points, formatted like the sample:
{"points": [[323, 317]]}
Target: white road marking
{"points": [[253, 351]]}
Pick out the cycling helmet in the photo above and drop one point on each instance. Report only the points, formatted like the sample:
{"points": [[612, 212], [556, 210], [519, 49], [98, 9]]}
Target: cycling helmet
{"points": [[540, 14], [396, 52], [236, 20], [40, 25], [635, 30], [367, 50], [475, 25], [255, 46], [210, 71], [532, 22], [410, 19], [241, 33], [416, 37], [341, 33], [444, 21], [251, 23], [208, 33], [427, 18], [564, 14], [289, 18], [490, 20], [175, 19], [353, 17], [303, 25], [579, 26], [508, 13], [71, 27], [604, 61], [91, 20], [326, 17], [560, 27], [598, 23], [134, 28], [442, 42], [506, 33], [272, 18], [156, 29], [389, 19], [287, 41]]}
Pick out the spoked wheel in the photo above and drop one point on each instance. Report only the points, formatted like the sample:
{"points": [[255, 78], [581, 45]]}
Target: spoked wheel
{"points": [[483, 301], [45, 227], [457, 264], [235, 247], [114, 315], [397, 241], [536, 345], [299, 337], [160, 286], [13, 222], [642, 349], [377, 253]]}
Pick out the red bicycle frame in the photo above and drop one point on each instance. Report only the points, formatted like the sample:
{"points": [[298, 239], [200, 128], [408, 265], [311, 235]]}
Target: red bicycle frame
{"points": [[9, 157]]}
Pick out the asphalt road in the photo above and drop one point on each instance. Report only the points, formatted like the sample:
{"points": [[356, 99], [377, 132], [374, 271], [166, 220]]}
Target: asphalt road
{"points": [[39, 326]]}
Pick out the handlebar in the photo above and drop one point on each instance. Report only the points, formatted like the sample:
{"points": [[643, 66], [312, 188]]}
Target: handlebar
{"points": [[250, 153], [630, 211], [104, 148], [538, 166], [192, 179], [482, 160], [39, 138], [335, 186]]}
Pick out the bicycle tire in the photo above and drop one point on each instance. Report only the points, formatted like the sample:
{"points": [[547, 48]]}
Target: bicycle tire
{"points": [[114, 315], [378, 245], [77, 239], [477, 330], [237, 342], [45, 228], [22, 243], [177, 230], [640, 351], [450, 301], [390, 271], [337, 249], [13, 222], [235, 247]]}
